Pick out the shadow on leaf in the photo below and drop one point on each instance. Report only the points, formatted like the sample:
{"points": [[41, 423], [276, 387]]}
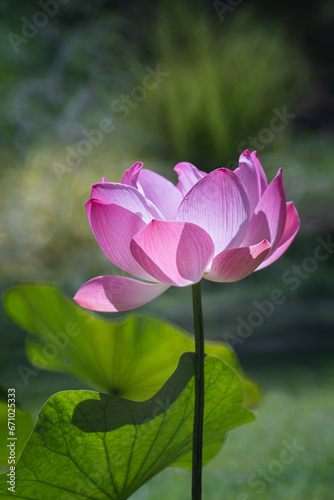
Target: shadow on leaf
{"points": [[111, 412]]}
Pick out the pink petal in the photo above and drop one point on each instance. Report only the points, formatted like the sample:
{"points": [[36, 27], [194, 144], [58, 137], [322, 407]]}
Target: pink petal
{"points": [[188, 175], [237, 263], [291, 229], [160, 191], [251, 173], [156, 188], [260, 172], [173, 252], [117, 293], [130, 176], [127, 197], [268, 220], [113, 227], [219, 204]]}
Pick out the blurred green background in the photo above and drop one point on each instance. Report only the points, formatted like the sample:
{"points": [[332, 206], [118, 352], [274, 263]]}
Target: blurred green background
{"points": [[167, 82]]}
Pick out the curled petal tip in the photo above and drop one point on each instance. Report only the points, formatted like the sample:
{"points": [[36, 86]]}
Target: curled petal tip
{"points": [[136, 167]]}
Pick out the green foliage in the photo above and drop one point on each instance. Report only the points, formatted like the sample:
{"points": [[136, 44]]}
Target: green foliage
{"points": [[55, 83], [225, 80], [44, 232], [98, 446], [297, 407], [132, 358]]}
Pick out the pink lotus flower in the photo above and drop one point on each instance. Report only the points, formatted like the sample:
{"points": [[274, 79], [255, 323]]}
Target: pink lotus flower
{"points": [[221, 226]]}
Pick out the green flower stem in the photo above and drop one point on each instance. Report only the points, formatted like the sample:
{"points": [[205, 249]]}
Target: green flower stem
{"points": [[199, 393]]}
